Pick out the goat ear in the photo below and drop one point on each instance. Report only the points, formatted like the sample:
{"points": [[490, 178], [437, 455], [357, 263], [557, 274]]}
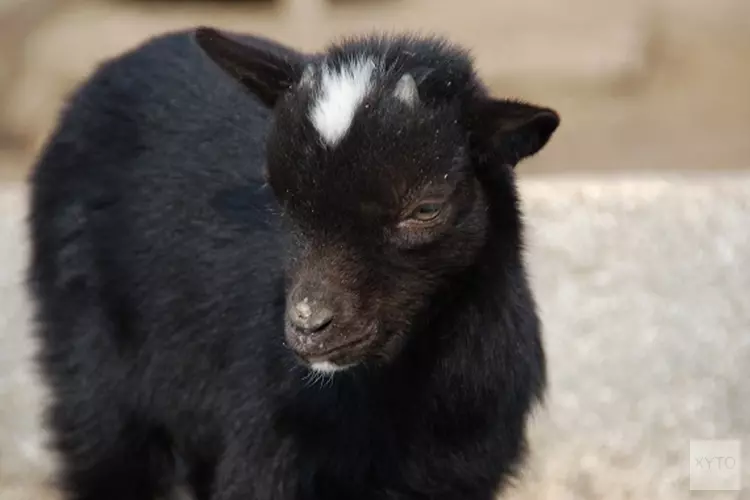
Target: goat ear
{"points": [[510, 131], [265, 68]]}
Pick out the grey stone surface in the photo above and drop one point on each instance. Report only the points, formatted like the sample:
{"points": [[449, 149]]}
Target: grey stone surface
{"points": [[644, 288], [23, 463], [644, 285]]}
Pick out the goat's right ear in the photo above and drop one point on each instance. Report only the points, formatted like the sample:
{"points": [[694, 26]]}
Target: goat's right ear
{"points": [[265, 68], [509, 131]]}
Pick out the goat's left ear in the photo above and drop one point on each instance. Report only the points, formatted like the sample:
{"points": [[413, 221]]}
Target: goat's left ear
{"points": [[265, 68], [510, 131]]}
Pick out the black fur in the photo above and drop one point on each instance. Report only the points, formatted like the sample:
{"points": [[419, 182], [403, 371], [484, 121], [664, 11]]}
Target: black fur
{"points": [[174, 210]]}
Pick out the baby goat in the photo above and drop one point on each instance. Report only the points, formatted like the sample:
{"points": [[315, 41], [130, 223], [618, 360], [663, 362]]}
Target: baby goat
{"points": [[299, 275]]}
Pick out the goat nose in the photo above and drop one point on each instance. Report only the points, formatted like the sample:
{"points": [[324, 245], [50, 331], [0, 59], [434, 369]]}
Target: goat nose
{"points": [[310, 316]]}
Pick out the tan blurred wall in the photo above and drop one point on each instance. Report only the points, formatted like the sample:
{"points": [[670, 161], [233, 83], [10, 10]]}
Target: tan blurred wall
{"points": [[598, 48]]}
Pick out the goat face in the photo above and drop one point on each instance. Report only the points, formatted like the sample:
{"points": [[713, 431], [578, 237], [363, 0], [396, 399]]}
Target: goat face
{"points": [[377, 223], [380, 154]]}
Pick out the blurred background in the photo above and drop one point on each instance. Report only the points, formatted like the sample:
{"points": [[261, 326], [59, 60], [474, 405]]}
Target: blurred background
{"points": [[638, 210]]}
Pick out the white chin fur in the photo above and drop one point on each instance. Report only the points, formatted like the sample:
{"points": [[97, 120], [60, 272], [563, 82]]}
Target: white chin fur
{"points": [[328, 367]]}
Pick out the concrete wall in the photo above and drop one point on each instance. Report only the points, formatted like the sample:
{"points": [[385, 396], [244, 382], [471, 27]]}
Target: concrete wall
{"points": [[642, 286]]}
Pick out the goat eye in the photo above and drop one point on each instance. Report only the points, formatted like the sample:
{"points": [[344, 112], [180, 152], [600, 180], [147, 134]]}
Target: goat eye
{"points": [[427, 211]]}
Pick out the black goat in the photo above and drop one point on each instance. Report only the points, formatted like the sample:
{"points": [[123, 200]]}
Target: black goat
{"points": [[301, 274]]}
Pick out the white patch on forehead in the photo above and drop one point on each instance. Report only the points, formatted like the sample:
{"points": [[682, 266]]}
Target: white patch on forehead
{"points": [[406, 90], [341, 92], [327, 367]]}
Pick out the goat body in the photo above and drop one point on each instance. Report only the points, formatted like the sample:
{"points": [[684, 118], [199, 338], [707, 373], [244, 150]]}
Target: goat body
{"points": [[301, 274]]}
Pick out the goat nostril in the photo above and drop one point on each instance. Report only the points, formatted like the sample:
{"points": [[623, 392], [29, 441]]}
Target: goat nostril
{"points": [[310, 318], [303, 310], [321, 320]]}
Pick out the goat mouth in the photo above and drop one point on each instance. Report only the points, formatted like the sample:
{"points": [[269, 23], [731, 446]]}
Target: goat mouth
{"points": [[314, 355], [306, 348], [340, 349]]}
